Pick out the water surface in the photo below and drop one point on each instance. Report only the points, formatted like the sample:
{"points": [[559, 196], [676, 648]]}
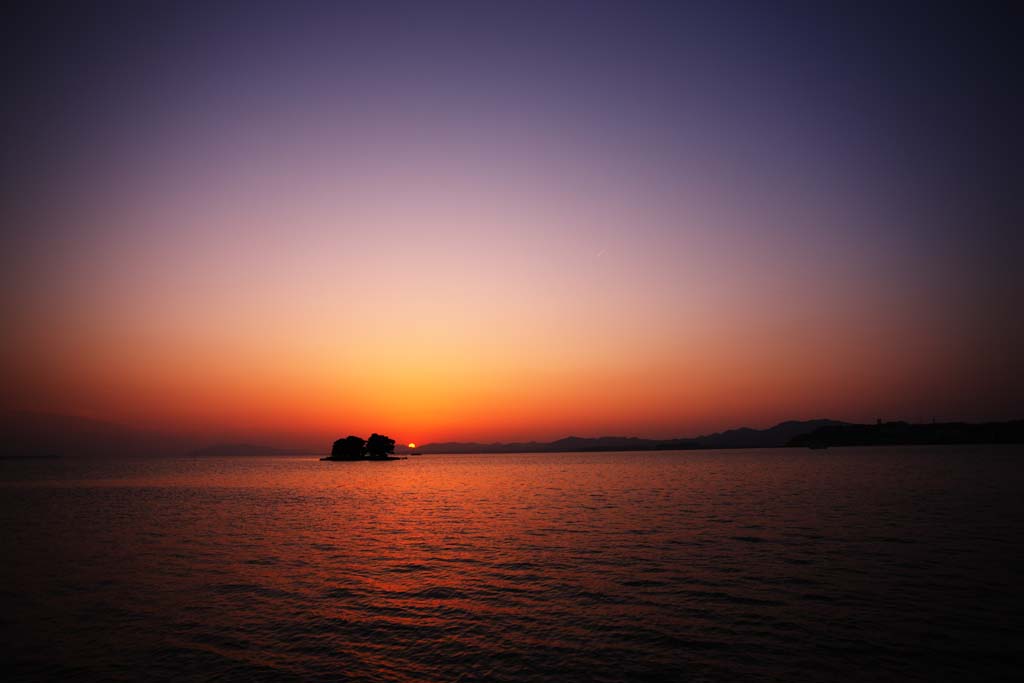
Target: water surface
{"points": [[862, 564]]}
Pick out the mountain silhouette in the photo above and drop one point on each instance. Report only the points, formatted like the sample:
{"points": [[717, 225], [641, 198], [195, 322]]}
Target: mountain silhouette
{"points": [[28, 434], [224, 449], [745, 437], [37, 434], [773, 437]]}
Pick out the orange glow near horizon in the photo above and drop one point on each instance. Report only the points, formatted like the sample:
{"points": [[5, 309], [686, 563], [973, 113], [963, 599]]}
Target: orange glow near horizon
{"points": [[466, 377], [486, 259], [538, 345]]}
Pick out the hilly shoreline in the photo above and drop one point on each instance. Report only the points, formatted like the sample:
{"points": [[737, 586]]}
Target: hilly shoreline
{"points": [[792, 434], [744, 437], [24, 434]]}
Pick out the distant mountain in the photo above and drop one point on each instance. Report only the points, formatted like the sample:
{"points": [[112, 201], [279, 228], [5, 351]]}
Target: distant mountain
{"points": [[27, 434], [239, 449], [774, 437], [568, 444], [32, 434]]}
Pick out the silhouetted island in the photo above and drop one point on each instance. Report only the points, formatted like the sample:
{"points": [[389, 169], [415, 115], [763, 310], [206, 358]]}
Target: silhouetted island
{"points": [[352, 448]]}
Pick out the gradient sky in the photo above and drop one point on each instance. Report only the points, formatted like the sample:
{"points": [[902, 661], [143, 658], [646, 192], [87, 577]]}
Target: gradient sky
{"points": [[500, 221]]}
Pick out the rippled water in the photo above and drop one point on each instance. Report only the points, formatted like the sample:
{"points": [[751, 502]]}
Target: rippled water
{"points": [[889, 563]]}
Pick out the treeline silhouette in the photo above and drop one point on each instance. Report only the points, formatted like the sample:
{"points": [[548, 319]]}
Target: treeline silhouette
{"points": [[907, 434], [377, 447]]}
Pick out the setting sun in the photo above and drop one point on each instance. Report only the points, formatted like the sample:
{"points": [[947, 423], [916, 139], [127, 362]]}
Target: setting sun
{"points": [[412, 445]]}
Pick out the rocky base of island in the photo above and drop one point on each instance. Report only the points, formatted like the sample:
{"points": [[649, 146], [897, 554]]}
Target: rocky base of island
{"points": [[331, 458]]}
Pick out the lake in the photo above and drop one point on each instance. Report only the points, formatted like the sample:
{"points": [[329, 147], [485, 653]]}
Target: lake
{"points": [[845, 564]]}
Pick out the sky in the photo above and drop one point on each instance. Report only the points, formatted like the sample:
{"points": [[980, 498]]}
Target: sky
{"points": [[507, 221]]}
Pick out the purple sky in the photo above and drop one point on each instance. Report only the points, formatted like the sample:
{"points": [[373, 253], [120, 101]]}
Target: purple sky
{"points": [[524, 219]]}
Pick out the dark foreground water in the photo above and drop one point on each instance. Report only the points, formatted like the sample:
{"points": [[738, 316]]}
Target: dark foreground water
{"points": [[849, 564]]}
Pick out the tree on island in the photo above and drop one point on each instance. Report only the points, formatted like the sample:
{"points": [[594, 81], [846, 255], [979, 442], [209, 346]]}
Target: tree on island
{"points": [[379, 447], [349, 448]]}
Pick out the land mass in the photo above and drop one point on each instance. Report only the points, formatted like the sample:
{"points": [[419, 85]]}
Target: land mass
{"points": [[28, 434], [223, 449], [907, 434], [744, 437], [793, 433], [33, 434]]}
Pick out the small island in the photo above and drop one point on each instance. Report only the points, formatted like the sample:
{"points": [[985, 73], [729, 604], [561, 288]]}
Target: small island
{"points": [[352, 448]]}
